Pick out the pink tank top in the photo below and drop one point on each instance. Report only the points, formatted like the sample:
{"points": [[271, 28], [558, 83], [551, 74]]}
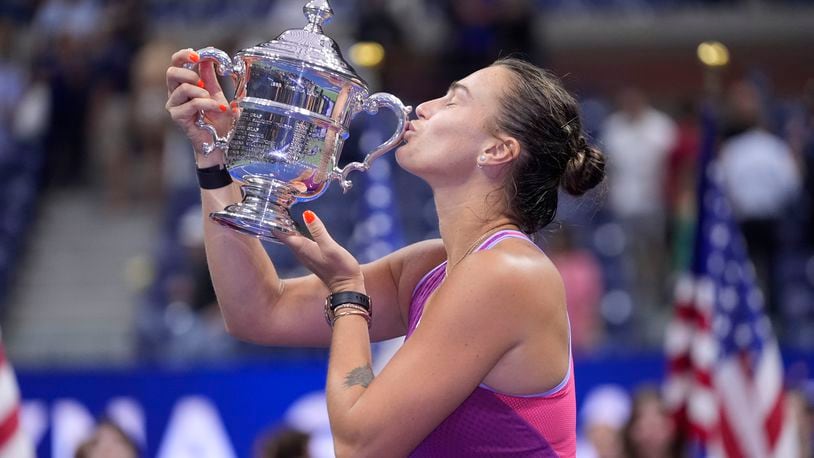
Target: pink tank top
{"points": [[494, 424]]}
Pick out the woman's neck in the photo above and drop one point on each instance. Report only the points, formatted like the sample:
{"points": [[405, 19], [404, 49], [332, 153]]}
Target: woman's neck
{"points": [[465, 219]]}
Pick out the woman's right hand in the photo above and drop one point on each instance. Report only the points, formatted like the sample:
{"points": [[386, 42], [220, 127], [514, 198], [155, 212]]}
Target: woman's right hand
{"points": [[190, 93]]}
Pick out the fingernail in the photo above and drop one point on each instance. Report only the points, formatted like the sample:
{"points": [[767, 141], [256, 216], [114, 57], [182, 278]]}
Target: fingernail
{"points": [[309, 216], [194, 57], [200, 84], [233, 104], [223, 108], [234, 109]]}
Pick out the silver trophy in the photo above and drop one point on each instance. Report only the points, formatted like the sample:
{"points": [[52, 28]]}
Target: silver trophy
{"points": [[296, 97]]}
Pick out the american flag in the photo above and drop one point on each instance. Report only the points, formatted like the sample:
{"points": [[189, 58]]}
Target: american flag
{"points": [[13, 442], [725, 374]]}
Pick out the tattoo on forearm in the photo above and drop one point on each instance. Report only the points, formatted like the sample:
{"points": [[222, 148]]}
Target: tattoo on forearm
{"points": [[359, 376]]}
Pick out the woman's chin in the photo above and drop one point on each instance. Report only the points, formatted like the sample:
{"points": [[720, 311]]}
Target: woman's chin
{"points": [[405, 158], [401, 154]]}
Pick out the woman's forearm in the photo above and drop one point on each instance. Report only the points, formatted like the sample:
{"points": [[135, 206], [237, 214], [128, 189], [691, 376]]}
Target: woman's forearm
{"points": [[349, 374], [244, 277]]}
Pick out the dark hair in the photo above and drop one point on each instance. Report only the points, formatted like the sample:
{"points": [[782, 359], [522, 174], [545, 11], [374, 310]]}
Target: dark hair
{"points": [[544, 118], [642, 395], [86, 448]]}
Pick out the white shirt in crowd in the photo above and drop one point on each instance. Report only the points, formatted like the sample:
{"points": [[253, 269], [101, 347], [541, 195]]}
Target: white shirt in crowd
{"points": [[637, 151], [759, 174]]}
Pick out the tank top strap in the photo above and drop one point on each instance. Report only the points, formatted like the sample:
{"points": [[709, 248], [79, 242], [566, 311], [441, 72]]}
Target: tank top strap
{"points": [[500, 236]]}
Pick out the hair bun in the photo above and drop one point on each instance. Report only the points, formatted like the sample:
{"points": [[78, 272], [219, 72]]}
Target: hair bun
{"points": [[584, 170]]}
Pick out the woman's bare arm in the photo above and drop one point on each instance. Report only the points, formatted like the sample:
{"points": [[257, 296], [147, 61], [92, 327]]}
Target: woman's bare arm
{"points": [[259, 306]]}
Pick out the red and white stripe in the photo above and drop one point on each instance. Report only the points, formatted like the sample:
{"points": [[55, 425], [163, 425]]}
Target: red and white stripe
{"points": [[13, 442], [733, 406]]}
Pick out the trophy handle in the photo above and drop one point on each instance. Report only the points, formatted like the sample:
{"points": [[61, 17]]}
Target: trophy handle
{"points": [[372, 105], [224, 66]]}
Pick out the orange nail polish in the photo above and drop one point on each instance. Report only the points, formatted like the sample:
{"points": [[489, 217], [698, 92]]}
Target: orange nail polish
{"points": [[309, 216], [234, 109], [194, 57], [223, 108], [233, 104], [200, 84]]}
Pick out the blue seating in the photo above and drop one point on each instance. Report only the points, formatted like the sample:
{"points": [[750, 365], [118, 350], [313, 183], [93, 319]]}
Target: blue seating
{"points": [[20, 166]]}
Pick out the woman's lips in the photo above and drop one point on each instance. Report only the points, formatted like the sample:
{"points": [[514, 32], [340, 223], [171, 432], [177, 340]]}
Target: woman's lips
{"points": [[410, 129]]}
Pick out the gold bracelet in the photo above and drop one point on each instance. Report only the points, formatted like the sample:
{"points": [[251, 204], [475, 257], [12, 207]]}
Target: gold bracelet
{"points": [[363, 314], [352, 307]]}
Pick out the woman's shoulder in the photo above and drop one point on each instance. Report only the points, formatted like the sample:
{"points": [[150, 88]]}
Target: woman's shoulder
{"points": [[515, 256], [508, 293], [515, 268]]}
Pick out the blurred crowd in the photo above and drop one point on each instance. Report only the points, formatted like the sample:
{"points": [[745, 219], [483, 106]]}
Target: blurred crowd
{"points": [[82, 94], [82, 106]]}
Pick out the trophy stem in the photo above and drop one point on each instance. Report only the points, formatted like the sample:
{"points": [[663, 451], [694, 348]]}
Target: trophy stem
{"points": [[263, 211]]}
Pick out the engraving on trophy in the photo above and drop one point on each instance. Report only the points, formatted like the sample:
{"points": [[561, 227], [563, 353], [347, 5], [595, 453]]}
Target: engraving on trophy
{"points": [[251, 137]]}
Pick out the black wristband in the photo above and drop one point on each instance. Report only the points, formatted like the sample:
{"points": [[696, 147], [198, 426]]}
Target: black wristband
{"points": [[349, 297], [214, 177], [355, 300]]}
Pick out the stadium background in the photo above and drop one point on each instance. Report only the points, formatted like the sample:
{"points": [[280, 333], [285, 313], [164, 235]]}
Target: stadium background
{"points": [[104, 295]]}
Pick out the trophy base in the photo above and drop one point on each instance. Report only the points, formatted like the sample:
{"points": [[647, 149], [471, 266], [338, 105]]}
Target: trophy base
{"points": [[263, 213]]}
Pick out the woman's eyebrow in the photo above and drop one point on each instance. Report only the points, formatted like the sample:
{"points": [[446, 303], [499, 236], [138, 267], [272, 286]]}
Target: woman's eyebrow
{"points": [[456, 85]]}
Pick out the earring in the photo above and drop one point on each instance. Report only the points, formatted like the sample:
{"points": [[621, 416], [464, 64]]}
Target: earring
{"points": [[481, 160]]}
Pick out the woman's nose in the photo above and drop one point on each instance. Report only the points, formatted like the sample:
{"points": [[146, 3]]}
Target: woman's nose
{"points": [[421, 110]]}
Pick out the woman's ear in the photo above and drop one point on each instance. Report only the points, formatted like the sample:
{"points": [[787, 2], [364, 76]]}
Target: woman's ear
{"points": [[505, 150]]}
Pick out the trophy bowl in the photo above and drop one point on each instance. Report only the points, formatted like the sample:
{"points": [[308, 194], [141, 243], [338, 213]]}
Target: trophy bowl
{"points": [[295, 99]]}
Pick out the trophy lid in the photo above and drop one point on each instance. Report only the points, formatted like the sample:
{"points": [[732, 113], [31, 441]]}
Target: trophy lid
{"points": [[310, 44]]}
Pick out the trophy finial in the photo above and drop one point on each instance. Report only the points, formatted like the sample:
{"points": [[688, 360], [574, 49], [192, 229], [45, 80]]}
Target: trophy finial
{"points": [[318, 13]]}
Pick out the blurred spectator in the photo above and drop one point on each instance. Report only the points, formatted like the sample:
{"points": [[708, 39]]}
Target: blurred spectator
{"points": [[75, 19], [604, 414], [800, 410], [110, 126], [108, 441], [284, 443], [761, 179], [181, 321], [192, 313], [582, 278], [638, 140], [650, 432], [309, 414], [150, 120], [65, 30]]}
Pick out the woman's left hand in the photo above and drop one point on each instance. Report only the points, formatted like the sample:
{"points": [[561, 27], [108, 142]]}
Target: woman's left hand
{"points": [[334, 265]]}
